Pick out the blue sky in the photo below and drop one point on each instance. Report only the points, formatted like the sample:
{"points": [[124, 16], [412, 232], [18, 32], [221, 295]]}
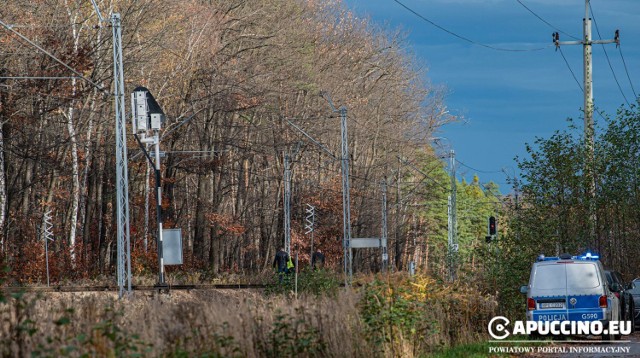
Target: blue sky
{"points": [[506, 99]]}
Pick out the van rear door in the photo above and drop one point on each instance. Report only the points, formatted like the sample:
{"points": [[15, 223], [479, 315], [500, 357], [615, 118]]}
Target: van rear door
{"points": [[584, 290], [549, 290]]}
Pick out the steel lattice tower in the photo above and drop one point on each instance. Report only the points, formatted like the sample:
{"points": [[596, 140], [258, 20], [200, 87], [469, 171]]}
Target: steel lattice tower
{"points": [[122, 179]]}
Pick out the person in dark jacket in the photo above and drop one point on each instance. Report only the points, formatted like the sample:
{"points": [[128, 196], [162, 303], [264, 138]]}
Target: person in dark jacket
{"points": [[280, 262], [317, 260]]}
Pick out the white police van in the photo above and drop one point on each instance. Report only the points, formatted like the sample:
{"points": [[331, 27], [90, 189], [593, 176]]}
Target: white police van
{"points": [[570, 288]]}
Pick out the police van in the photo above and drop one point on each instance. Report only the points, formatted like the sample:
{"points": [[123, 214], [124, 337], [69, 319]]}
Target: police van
{"points": [[570, 288]]}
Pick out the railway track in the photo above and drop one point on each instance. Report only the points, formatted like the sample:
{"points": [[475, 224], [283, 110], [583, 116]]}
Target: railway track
{"points": [[109, 288]]}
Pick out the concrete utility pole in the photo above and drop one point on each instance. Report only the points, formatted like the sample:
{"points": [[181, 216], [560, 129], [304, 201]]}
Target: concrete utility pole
{"points": [[588, 104]]}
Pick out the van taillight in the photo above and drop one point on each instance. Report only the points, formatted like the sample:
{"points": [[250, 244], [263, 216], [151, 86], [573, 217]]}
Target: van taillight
{"points": [[531, 304], [603, 301]]}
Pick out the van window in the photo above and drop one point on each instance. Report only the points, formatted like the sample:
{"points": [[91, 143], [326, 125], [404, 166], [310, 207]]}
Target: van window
{"points": [[549, 277], [582, 276]]}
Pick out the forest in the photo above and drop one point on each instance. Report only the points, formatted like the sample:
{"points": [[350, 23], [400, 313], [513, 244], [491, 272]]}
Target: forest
{"points": [[245, 84], [239, 82]]}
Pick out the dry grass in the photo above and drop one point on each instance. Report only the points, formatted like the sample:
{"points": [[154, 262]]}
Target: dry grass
{"points": [[392, 316], [214, 322]]}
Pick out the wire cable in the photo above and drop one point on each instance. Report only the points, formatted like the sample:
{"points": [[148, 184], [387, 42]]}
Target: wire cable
{"points": [[478, 170], [627, 71], [570, 70], [546, 22], [466, 38], [578, 82], [606, 55]]}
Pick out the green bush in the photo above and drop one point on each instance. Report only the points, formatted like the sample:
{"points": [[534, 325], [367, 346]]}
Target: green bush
{"points": [[292, 336], [412, 316], [392, 317], [310, 282]]}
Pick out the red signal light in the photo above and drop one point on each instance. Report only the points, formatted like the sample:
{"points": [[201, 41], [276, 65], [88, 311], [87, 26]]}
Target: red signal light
{"points": [[492, 225]]}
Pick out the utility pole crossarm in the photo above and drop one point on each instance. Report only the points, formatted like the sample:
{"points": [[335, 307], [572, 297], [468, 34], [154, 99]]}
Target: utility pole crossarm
{"points": [[595, 42], [558, 43], [604, 42], [588, 41]]}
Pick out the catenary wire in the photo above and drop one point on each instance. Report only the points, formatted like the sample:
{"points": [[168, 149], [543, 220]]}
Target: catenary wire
{"points": [[8, 27], [478, 170], [466, 38]]}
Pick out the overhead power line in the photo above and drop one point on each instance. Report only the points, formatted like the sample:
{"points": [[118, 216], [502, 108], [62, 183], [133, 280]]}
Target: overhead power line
{"points": [[606, 55], [627, 71], [463, 38], [578, 82], [570, 70], [546, 22]]}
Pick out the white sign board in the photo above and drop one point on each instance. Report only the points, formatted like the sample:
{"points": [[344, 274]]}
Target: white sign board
{"points": [[365, 242], [172, 246]]}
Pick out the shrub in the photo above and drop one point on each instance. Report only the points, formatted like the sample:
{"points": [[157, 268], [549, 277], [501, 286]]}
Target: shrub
{"points": [[291, 336], [314, 283], [411, 316]]}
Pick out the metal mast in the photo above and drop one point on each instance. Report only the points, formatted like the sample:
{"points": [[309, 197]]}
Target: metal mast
{"points": [[287, 204], [122, 179], [453, 221], [385, 255], [346, 201]]}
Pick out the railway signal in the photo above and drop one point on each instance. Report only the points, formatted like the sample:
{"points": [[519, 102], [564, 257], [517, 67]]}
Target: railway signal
{"points": [[493, 229]]}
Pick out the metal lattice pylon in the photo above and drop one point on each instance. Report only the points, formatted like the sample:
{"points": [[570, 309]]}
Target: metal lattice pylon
{"points": [[122, 179], [310, 219], [47, 233], [309, 227]]}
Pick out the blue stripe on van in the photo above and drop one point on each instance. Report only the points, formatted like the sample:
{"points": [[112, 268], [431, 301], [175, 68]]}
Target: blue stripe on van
{"points": [[587, 308]]}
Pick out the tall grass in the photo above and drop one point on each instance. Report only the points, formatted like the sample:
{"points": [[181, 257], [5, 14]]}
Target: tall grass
{"points": [[211, 323], [393, 316]]}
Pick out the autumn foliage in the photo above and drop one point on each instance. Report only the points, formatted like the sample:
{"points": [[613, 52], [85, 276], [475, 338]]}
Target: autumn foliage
{"points": [[231, 75]]}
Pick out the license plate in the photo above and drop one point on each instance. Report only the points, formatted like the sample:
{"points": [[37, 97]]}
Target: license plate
{"points": [[552, 305]]}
